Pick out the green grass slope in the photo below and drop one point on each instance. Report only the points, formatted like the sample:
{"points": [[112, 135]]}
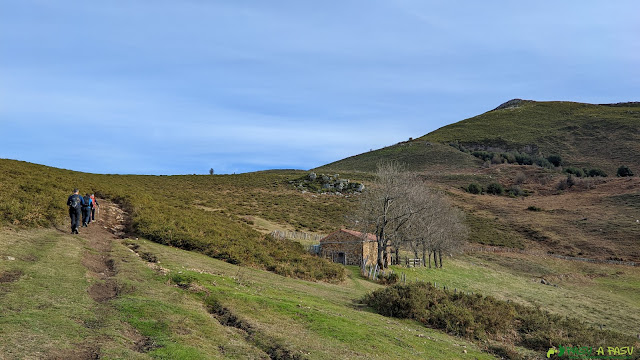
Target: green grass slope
{"points": [[46, 312], [604, 136], [416, 154]]}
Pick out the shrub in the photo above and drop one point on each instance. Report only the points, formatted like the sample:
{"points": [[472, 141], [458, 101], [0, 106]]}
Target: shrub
{"points": [[495, 189], [575, 171], [496, 159], [509, 157], [453, 319], [624, 171], [523, 159], [181, 279], [484, 317], [389, 279], [542, 162], [475, 188], [484, 155], [459, 147], [556, 160], [520, 178], [566, 183], [596, 172], [515, 190], [534, 208]]}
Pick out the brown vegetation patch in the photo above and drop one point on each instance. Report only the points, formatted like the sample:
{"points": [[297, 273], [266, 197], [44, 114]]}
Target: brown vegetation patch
{"points": [[10, 276], [99, 264], [145, 344], [29, 258], [104, 291], [596, 223], [81, 352]]}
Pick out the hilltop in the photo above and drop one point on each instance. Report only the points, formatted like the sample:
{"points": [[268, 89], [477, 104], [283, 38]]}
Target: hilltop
{"points": [[584, 135]]}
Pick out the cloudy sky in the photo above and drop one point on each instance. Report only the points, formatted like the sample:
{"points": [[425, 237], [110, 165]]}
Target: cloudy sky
{"points": [[175, 87]]}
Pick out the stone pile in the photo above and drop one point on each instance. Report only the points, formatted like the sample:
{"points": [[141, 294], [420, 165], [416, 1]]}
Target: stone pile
{"points": [[327, 184]]}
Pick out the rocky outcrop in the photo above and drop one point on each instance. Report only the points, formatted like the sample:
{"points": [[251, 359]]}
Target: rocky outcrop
{"points": [[511, 104], [327, 184]]}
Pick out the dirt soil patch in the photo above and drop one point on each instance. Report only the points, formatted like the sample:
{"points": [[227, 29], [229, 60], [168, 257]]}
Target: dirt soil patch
{"points": [[81, 352], [10, 276], [104, 291]]}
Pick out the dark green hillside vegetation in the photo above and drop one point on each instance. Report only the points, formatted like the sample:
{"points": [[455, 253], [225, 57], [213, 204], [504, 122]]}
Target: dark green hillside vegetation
{"points": [[200, 213], [417, 154], [486, 318], [581, 134]]}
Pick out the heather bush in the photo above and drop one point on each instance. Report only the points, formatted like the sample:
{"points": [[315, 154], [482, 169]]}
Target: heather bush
{"points": [[515, 190], [486, 318], [520, 178], [555, 160], [484, 155], [596, 172], [182, 280], [566, 183], [575, 171], [475, 188], [624, 171], [389, 278], [495, 189]]}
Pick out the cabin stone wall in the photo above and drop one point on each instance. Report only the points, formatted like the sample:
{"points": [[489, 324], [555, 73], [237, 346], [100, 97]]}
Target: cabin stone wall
{"points": [[370, 252], [348, 249]]}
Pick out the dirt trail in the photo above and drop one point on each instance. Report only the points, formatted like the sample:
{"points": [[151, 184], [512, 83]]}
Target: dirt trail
{"points": [[109, 226]]}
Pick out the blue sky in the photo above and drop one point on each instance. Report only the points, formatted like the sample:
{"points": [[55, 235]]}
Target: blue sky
{"points": [[178, 87]]}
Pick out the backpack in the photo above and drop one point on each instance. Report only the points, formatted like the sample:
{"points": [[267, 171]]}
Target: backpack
{"points": [[75, 202], [87, 201]]}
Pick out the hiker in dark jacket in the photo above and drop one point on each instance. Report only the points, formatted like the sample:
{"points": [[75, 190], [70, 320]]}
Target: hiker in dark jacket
{"points": [[75, 203], [86, 210]]}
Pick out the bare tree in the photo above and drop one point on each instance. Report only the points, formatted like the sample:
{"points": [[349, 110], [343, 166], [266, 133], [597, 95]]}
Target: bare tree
{"points": [[387, 208], [402, 212], [438, 229], [211, 171]]}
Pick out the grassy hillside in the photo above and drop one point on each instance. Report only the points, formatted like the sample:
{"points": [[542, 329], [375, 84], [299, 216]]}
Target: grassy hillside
{"points": [[602, 136], [417, 154], [584, 135], [207, 214], [163, 310]]}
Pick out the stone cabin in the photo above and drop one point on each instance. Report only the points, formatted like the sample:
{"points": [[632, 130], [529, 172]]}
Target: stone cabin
{"points": [[349, 247]]}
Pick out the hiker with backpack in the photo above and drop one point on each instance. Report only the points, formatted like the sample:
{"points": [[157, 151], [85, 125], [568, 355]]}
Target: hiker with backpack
{"points": [[86, 210], [75, 203], [94, 205]]}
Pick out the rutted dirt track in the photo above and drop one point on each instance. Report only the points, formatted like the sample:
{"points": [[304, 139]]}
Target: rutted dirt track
{"points": [[110, 221], [101, 271]]}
